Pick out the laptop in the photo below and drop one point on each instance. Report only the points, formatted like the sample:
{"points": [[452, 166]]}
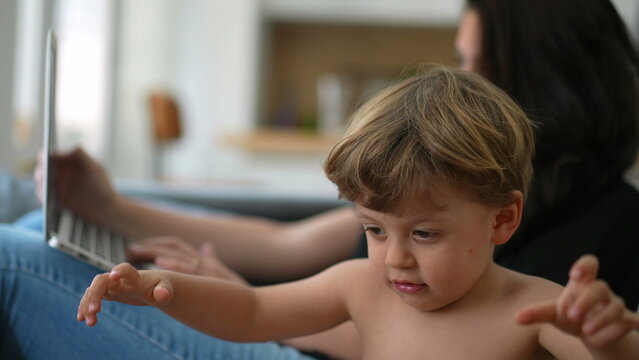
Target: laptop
{"points": [[63, 229]]}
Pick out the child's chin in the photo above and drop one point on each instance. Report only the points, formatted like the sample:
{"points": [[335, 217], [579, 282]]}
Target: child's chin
{"points": [[424, 305]]}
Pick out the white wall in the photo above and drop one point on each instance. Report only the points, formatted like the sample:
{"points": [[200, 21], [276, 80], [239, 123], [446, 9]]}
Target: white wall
{"points": [[207, 53], [8, 15], [145, 61], [216, 82], [201, 51]]}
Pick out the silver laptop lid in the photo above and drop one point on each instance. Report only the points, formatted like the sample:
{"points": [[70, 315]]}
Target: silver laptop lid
{"points": [[49, 135]]}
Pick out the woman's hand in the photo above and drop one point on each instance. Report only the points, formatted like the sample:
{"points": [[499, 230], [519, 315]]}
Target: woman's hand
{"points": [[81, 184], [171, 253]]}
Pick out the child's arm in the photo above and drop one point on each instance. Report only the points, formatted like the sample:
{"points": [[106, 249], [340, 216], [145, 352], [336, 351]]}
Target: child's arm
{"points": [[588, 309], [226, 309]]}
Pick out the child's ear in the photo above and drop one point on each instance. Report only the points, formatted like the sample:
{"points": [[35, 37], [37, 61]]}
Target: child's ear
{"points": [[507, 219]]}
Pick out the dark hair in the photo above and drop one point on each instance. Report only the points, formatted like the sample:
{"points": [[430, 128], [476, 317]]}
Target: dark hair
{"points": [[572, 67]]}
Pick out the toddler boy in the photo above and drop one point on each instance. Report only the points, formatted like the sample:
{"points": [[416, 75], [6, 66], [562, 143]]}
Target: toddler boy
{"points": [[438, 167]]}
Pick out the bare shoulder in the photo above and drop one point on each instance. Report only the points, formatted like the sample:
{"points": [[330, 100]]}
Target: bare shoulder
{"points": [[352, 273], [526, 289], [355, 265], [357, 282], [347, 272]]}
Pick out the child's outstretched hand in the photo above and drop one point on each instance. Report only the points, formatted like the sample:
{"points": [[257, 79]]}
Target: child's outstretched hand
{"points": [[587, 308], [127, 285]]}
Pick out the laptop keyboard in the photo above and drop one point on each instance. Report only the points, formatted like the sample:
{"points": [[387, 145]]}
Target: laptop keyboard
{"points": [[95, 244]]}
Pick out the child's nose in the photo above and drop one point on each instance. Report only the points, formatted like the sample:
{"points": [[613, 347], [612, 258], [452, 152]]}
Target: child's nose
{"points": [[398, 255]]}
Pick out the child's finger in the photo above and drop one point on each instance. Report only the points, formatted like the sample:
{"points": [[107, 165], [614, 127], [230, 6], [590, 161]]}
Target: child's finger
{"points": [[632, 318], [583, 272], [612, 311], [585, 269], [80, 316], [90, 304], [565, 300], [546, 312], [595, 293], [607, 335], [163, 292], [124, 271]]}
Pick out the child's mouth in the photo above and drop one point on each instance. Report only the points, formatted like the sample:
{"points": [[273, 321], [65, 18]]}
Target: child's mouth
{"points": [[407, 287]]}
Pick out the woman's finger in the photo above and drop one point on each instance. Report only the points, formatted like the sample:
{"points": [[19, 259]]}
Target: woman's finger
{"points": [[143, 252], [168, 241], [189, 265]]}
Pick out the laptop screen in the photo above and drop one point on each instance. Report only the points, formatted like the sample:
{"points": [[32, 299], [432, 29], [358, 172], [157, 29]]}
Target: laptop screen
{"points": [[49, 134]]}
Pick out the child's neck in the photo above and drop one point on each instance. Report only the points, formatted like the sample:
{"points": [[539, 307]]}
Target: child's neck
{"points": [[490, 285]]}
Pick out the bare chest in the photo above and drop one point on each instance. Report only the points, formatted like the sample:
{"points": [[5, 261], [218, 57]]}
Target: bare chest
{"points": [[410, 335]]}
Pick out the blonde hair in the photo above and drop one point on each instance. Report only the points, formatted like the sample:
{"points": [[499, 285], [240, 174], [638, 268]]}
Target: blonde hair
{"points": [[444, 127]]}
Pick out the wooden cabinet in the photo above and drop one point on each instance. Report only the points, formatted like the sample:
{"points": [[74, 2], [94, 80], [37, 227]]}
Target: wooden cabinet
{"points": [[313, 48]]}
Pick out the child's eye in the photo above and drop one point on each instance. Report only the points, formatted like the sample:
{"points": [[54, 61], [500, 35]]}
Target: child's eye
{"points": [[423, 235], [374, 230]]}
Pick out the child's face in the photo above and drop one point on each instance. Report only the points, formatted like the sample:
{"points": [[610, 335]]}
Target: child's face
{"points": [[431, 255]]}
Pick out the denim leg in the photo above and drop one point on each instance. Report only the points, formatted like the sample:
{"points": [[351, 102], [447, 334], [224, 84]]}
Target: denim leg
{"points": [[33, 220], [17, 196], [40, 289]]}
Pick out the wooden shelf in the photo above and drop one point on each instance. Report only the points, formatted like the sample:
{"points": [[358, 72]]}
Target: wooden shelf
{"points": [[283, 142], [297, 55]]}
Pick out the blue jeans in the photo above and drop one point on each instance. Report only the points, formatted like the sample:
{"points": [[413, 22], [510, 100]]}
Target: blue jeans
{"points": [[40, 289]]}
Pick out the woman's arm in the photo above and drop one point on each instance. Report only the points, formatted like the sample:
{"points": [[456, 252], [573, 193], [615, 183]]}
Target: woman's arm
{"points": [[255, 247]]}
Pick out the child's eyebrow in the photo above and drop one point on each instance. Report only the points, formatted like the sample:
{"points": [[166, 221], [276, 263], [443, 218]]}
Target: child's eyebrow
{"points": [[364, 219], [363, 216], [437, 216]]}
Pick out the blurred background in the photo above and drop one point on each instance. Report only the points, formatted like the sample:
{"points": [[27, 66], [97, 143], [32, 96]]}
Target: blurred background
{"points": [[202, 93]]}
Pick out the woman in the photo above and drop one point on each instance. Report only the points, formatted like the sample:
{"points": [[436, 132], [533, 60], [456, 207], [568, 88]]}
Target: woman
{"points": [[573, 68]]}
